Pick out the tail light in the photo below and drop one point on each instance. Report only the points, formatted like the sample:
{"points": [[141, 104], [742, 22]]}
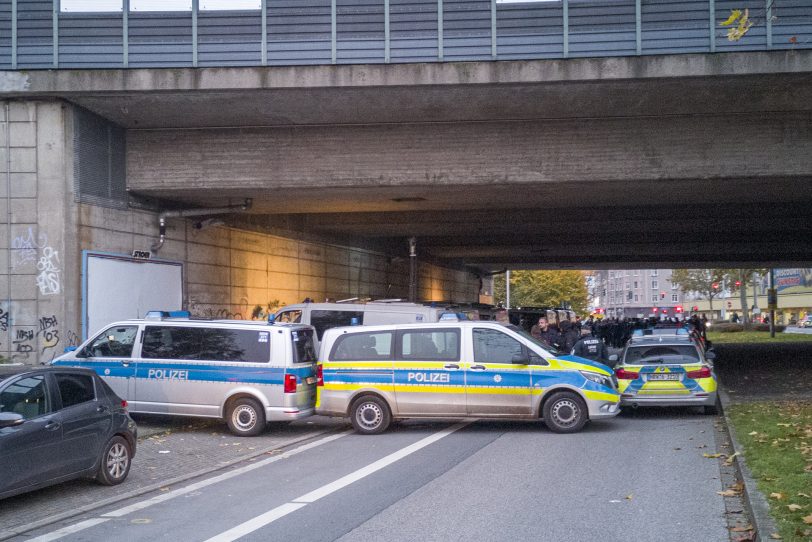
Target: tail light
{"points": [[623, 374], [319, 375], [704, 372], [290, 383], [124, 404]]}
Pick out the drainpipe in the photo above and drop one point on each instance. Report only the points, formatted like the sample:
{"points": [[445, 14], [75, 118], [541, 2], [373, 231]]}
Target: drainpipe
{"points": [[183, 213], [8, 222]]}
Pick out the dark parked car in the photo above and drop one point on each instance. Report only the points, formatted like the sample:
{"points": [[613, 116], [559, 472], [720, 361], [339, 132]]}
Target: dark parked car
{"points": [[61, 423]]}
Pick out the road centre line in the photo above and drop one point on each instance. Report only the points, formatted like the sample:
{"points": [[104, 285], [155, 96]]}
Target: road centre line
{"points": [[183, 490], [296, 504]]}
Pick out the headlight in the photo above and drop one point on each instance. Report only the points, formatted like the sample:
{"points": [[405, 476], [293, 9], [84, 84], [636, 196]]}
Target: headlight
{"points": [[598, 378]]}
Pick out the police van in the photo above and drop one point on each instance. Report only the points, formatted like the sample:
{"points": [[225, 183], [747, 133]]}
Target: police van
{"points": [[247, 373], [457, 369], [323, 316]]}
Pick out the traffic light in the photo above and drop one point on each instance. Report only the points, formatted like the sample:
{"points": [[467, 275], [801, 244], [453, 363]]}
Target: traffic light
{"points": [[662, 295], [715, 285], [679, 308], [738, 283], [696, 308]]}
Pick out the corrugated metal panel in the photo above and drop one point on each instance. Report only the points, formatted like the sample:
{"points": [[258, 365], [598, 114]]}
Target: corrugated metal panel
{"points": [[529, 30], [602, 28], [99, 161], [792, 24], [229, 38], [671, 26], [756, 37], [5, 34], [90, 40], [299, 32], [360, 31], [160, 39], [466, 30], [35, 46], [413, 30]]}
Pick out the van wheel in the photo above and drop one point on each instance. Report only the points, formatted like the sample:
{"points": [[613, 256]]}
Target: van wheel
{"points": [[565, 412], [245, 417], [115, 462], [370, 415]]}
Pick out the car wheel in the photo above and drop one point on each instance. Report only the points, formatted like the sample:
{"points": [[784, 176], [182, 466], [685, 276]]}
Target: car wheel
{"points": [[565, 412], [370, 415], [245, 417], [115, 462], [710, 410]]}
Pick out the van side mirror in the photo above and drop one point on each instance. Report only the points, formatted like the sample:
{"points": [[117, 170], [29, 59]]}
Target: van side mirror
{"points": [[10, 419], [520, 359]]}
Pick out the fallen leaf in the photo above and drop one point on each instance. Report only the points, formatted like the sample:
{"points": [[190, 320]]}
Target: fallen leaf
{"points": [[727, 493], [729, 460], [744, 529], [807, 519], [775, 536], [711, 456], [778, 496], [753, 433], [629, 496], [794, 507], [165, 488], [803, 495]]}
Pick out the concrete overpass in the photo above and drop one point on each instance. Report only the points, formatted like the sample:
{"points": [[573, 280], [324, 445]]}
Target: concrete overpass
{"points": [[660, 160]]}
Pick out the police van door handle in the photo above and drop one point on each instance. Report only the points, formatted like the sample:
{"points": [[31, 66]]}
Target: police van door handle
{"points": [[477, 367], [125, 363], [451, 366]]}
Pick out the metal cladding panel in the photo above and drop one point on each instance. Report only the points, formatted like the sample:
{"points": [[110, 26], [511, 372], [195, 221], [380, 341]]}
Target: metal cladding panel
{"points": [[466, 29], [299, 32], [5, 34], [529, 31], [160, 39], [91, 40], [360, 31], [99, 161], [35, 45], [670, 26], [602, 28], [413, 32], [756, 37], [792, 24], [229, 38]]}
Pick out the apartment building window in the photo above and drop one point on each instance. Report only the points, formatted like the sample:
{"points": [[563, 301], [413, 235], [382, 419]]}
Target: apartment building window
{"points": [[636, 298], [654, 298], [674, 298], [674, 286], [654, 284], [653, 272], [635, 285], [628, 286]]}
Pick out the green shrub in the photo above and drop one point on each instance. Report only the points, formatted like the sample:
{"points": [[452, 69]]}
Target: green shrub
{"points": [[766, 327], [727, 327]]}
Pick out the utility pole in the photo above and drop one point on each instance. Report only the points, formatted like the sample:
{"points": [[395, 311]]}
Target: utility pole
{"points": [[413, 269], [507, 289]]}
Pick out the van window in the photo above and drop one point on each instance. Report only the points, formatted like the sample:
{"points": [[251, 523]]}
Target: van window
{"points": [[116, 342], [435, 345], [370, 346], [322, 320], [492, 346], [201, 343], [303, 349], [289, 317]]}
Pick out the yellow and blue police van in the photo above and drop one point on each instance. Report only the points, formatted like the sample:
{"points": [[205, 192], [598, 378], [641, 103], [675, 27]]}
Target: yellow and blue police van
{"points": [[666, 370], [457, 369], [246, 373]]}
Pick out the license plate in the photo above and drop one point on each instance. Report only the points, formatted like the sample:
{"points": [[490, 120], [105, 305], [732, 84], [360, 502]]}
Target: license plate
{"points": [[663, 376], [310, 380]]}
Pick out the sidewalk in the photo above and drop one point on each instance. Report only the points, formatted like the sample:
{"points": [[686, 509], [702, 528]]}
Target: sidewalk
{"points": [[170, 451]]}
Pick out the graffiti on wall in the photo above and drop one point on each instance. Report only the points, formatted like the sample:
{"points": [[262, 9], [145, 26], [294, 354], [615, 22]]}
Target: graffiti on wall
{"points": [[24, 247], [48, 266], [22, 344], [48, 332]]}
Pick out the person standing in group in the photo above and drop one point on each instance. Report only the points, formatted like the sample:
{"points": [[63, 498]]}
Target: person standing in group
{"points": [[569, 336], [590, 347]]}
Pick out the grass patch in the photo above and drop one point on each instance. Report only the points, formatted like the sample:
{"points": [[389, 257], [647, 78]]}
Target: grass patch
{"points": [[777, 441], [758, 337]]}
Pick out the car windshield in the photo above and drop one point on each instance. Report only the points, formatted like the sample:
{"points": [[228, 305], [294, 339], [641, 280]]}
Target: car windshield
{"points": [[660, 353], [534, 340]]}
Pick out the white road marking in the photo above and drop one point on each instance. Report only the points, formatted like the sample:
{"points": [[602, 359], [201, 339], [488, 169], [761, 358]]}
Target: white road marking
{"points": [[65, 531], [296, 504], [182, 491]]}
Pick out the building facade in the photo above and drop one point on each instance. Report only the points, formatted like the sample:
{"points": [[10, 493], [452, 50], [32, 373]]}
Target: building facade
{"points": [[637, 293]]}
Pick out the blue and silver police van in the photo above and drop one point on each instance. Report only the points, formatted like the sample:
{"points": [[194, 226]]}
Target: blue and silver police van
{"points": [[247, 373]]}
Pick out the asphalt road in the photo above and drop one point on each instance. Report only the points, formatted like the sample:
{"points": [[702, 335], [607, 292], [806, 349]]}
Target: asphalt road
{"points": [[641, 476]]}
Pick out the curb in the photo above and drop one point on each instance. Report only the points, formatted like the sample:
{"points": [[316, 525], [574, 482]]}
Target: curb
{"points": [[22, 529], [754, 500]]}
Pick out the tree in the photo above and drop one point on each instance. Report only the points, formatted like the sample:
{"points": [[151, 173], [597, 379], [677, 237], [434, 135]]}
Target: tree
{"points": [[742, 276], [705, 282], [544, 288]]}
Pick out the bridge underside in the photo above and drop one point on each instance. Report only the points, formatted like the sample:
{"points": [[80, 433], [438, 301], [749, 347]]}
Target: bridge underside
{"points": [[662, 161]]}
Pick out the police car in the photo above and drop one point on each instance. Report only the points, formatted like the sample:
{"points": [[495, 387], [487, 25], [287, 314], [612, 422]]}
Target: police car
{"points": [[456, 369], [666, 370]]}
